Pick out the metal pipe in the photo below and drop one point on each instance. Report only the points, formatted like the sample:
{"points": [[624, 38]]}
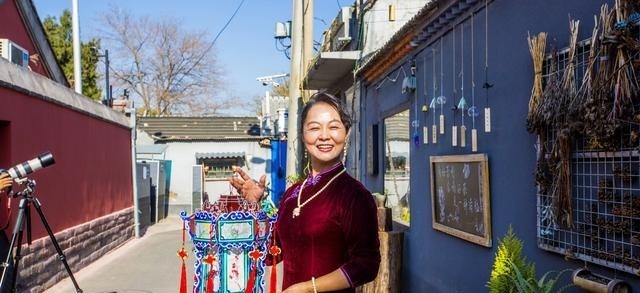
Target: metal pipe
{"points": [[77, 74]]}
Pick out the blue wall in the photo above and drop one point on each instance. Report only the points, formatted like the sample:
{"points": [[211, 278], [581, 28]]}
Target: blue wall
{"points": [[437, 262]]}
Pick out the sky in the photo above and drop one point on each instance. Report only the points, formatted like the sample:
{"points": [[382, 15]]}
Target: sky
{"points": [[246, 48]]}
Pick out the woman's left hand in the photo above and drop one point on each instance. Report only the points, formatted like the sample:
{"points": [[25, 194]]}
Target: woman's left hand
{"points": [[5, 181], [303, 287]]}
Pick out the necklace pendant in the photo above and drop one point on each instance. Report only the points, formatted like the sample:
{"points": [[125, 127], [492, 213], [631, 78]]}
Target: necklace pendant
{"points": [[296, 212]]}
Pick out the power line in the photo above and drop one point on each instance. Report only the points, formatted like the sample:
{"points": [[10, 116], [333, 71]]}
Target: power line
{"points": [[216, 38], [225, 25]]}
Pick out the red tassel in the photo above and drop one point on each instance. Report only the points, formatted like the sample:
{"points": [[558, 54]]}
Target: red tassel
{"points": [[182, 254], [183, 278], [252, 278], [273, 279], [210, 282]]}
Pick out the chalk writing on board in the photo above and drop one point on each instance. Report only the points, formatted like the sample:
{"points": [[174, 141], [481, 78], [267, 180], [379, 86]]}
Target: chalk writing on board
{"points": [[459, 195]]}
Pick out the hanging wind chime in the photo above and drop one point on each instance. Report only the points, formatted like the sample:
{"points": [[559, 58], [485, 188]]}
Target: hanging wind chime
{"points": [[486, 85], [432, 105], [425, 107], [441, 100], [409, 86], [473, 111], [462, 104], [454, 127]]}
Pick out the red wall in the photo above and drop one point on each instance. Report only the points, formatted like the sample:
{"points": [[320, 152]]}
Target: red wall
{"points": [[92, 174], [12, 27]]}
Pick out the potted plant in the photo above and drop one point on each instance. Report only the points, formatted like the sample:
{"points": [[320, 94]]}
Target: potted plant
{"points": [[513, 273]]}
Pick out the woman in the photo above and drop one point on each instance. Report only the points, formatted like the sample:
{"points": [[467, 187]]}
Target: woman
{"points": [[5, 183], [327, 224]]}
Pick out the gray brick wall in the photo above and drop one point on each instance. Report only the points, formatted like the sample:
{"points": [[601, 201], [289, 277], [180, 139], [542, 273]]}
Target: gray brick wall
{"points": [[40, 267]]}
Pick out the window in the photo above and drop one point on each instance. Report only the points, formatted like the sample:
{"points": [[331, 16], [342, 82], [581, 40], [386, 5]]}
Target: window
{"points": [[396, 166], [220, 168]]}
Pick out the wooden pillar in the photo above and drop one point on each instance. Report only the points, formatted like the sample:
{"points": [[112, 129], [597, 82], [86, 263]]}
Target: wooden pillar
{"points": [[388, 279]]}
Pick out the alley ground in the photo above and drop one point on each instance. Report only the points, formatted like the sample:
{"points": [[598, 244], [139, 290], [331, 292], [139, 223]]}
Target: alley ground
{"points": [[148, 264]]}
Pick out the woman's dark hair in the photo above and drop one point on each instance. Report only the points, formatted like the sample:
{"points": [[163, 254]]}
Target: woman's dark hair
{"points": [[329, 99]]}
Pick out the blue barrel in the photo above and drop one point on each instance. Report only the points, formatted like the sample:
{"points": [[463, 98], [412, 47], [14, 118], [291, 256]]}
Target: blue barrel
{"points": [[278, 169]]}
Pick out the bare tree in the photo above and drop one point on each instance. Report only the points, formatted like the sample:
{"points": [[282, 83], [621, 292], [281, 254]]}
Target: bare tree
{"points": [[172, 71]]}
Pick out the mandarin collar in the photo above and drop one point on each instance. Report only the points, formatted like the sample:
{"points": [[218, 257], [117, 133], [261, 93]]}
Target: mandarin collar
{"points": [[313, 180]]}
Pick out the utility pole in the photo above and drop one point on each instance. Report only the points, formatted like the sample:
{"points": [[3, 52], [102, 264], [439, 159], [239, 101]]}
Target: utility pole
{"points": [[75, 26], [307, 26], [294, 145]]}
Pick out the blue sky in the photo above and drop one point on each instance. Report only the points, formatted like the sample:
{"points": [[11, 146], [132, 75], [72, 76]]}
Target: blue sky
{"points": [[246, 48]]}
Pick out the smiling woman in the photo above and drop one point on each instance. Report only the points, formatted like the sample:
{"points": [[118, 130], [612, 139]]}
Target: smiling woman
{"points": [[327, 224]]}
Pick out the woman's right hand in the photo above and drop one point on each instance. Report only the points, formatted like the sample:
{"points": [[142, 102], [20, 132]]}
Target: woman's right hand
{"points": [[250, 189]]}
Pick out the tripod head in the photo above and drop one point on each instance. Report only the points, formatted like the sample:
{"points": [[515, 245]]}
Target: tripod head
{"points": [[29, 187]]}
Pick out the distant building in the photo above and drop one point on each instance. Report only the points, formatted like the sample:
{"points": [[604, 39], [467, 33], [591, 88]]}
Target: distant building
{"points": [[201, 151]]}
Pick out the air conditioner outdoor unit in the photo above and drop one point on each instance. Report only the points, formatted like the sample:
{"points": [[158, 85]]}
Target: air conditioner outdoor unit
{"points": [[345, 17], [14, 53]]}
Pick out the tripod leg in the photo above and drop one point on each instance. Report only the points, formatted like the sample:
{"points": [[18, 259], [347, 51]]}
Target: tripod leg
{"points": [[27, 217], [16, 243], [61, 256]]}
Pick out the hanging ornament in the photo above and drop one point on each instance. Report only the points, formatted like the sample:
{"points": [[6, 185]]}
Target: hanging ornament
{"points": [[416, 136], [454, 127], [409, 84], [473, 111], [434, 127], [182, 254], [432, 105], [211, 261], [274, 251], [415, 123], [441, 100], [425, 108], [462, 104], [486, 85], [255, 255]]}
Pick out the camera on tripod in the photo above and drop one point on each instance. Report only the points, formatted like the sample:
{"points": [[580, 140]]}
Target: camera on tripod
{"points": [[23, 169], [18, 173]]}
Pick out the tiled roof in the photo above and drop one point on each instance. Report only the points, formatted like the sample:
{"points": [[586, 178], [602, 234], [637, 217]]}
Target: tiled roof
{"points": [[200, 128]]}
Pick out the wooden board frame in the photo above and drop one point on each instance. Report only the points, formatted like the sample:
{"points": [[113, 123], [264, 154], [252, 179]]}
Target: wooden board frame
{"points": [[482, 159]]}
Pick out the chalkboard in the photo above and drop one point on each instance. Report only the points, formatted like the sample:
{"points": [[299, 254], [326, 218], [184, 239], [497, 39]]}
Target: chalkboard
{"points": [[460, 202]]}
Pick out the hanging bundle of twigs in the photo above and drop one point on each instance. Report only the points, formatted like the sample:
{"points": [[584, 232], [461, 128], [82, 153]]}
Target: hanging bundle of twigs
{"points": [[537, 46], [544, 113], [562, 191], [568, 84], [578, 105], [600, 131], [626, 85], [562, 147], [549, 102]]}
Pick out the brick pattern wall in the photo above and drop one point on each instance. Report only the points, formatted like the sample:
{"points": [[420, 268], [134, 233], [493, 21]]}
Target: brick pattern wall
{"points": [[40, 267]]}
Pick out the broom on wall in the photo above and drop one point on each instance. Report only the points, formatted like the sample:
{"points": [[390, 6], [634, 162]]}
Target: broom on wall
{"points": [[563, 140], [537, 46]]}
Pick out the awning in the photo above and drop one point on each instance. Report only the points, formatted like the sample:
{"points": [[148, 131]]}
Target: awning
{"points": [[153, 149], [222, 155], [329, 68]]}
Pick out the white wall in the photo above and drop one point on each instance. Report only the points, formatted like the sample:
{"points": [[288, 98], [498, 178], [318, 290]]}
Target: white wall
{"points": [[377, 27], [182, 156]]}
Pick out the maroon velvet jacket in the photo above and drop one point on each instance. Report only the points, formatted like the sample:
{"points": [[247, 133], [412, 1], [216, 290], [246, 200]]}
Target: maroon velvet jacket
{"points": [[337, 229]]}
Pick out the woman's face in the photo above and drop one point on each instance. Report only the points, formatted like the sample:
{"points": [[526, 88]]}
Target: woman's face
{"points": [[324, 135]]}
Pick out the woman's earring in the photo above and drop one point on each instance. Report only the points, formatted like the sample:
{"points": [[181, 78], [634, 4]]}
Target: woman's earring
{"points": [[307, 168], [346, 147]]}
